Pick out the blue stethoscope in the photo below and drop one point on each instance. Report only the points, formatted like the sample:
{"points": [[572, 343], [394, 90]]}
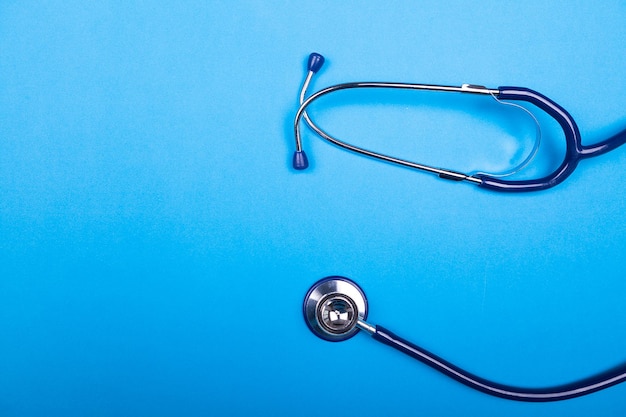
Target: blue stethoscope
{"points": [[575, 150], [335, 308]]}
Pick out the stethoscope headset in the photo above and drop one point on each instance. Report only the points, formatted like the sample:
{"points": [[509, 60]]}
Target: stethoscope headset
{"points": [[574, 153], [335, 308]]}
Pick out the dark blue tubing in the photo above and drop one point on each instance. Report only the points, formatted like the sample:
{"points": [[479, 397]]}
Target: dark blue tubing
{"points": [[562, 392], [575, 151]]}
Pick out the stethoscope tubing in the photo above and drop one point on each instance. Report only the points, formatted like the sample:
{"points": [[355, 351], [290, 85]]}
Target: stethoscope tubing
{"points": [[558, 393]]}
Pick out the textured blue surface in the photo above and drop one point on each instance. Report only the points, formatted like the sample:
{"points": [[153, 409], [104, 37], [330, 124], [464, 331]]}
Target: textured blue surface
{"points": [[155, 243]]}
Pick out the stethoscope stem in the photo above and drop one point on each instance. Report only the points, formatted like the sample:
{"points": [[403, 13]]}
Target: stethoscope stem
{"points": [[366, 327]]}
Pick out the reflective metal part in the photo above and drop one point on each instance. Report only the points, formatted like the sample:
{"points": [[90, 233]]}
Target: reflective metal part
{"points": [[305, 102], [366, 327], [332, 308], [478, 89], [336, 313], [305, 115]]}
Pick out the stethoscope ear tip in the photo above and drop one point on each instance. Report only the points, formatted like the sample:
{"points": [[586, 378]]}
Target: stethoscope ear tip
{"points": [[315, 62], [300, 161]]}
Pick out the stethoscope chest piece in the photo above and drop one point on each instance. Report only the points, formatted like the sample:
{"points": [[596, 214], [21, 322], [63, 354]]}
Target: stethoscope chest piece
{"points": [[332, 307]]}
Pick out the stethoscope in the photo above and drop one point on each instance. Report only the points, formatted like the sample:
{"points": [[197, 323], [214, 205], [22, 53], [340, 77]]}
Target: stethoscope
{"points": [[335, 309], [575, 150]]}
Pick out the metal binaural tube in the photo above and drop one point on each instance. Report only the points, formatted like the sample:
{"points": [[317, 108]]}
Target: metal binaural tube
{"points": [[443, 173]]}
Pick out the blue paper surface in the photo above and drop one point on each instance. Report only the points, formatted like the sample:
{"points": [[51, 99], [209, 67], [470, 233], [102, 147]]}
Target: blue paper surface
{"points": [[155, 244]]}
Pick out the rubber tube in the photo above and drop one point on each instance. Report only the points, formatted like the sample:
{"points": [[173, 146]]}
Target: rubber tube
{"points": [[557, 393]]}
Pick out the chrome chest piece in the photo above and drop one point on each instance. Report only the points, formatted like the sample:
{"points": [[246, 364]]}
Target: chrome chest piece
{"points": [[332, 308]]}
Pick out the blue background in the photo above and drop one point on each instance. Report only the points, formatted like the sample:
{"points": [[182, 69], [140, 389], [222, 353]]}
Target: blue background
{"points": [[155, 244]]}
